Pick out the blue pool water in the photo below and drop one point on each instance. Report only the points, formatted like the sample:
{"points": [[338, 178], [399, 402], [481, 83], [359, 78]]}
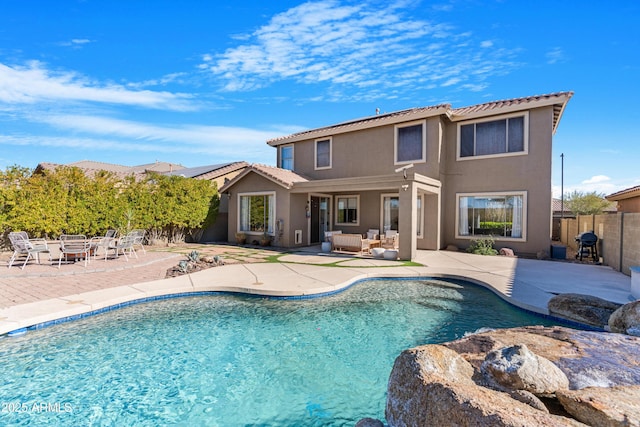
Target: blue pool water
{"points": [[234, 361]]}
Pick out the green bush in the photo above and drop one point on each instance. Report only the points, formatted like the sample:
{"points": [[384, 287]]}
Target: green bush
{"points": [[67, 201], [482, 246]]}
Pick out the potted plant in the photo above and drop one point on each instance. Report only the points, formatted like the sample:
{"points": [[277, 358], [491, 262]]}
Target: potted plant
{"points": [[241, 238], [326, 245], [265, 239]]}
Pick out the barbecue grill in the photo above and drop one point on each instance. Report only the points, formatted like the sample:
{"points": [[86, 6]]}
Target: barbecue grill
{"points": [[587, 245]]}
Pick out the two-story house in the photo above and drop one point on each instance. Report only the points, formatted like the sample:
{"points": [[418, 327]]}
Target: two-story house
{"points": [[438, 175]]}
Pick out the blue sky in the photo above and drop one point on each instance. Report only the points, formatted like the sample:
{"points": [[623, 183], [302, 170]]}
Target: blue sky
{"points": [[197, 83]]}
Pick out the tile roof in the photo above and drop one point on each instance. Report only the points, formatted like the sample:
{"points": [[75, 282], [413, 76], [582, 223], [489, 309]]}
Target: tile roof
{"points": [[210, 171], [283, 177], [366, 122], [558, 100], [91, 167], [627, 193]]}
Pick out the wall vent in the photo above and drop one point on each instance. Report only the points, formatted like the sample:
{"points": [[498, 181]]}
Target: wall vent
{"points": [[298, 237]]}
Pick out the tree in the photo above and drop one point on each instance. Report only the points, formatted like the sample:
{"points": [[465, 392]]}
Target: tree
{"points": [[581, 203]]}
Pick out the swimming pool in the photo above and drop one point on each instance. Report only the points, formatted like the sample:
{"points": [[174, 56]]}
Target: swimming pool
{"points": [[234, 360]]}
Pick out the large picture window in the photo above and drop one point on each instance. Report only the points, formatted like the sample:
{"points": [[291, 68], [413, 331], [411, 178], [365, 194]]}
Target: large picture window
{"points": [[286, 157], [500, 215], [410, 143], [323, 153], [347, 210], [257, 213], [507, 135]]}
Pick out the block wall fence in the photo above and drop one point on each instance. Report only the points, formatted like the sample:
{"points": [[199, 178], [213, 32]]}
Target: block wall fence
{"points": [[618, 237]]}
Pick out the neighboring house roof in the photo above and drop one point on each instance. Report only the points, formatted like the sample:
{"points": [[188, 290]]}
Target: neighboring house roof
{"points": [[90, 167], [282, 177], [627, 193], [556, 205], [210, 171], [558, 100]]}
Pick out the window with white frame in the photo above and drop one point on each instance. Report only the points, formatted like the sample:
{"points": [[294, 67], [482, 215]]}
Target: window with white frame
{"points": [[419, 203], [410, 143], [505, 136], [390, 212], [286, 157], [256, 213], [323, 153], [347, 210], [500, 215]]}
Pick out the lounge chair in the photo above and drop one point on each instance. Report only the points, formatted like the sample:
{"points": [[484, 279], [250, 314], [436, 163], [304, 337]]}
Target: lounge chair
{"points": [[22, 245]]}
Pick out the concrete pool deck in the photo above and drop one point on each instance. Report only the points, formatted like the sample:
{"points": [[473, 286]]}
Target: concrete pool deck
{"points": [[526, 283]]}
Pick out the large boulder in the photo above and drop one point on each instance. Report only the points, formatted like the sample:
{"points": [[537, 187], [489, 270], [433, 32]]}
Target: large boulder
{"points": [[615, 406], [518, 368], [433, 385], [585, 309], [445, 385], [626, 319]]}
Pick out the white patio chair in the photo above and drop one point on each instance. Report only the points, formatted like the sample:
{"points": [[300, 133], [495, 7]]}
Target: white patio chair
{"points": [[22, 245], [76, 245], [139, 239], [123, 245]]}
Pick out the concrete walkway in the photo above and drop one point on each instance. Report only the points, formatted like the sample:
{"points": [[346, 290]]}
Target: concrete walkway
{"points": [[525, 283]]}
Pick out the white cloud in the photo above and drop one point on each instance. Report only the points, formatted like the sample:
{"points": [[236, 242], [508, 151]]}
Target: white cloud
{"points": [[555, 55], [185, 135], [75, 43], [96, 134], [597, 179], [366, 45], [34, 83]]}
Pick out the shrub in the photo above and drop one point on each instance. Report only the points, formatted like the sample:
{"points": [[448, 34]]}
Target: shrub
{"points": [[482, 246]]}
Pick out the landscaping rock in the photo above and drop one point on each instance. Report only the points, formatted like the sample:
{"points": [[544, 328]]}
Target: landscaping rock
{"points": [[517, 368], [445, 385], [615, 406], [542, 255], [369, 422], [507, 252], [626, 319], [585, 309], [433, 385]]}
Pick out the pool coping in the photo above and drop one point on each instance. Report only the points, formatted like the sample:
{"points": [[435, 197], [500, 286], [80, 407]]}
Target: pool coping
{"points": [[295, 280]]}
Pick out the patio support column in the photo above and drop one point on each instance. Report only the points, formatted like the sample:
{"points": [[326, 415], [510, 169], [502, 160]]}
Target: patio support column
{"points": [[408, 220]]}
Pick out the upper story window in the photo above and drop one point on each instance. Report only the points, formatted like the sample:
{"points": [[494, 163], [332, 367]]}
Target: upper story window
{"points": [[505, 136], [410, 143], [323, 153], [286, 157]]}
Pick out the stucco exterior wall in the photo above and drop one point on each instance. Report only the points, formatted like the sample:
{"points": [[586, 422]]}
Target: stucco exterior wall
{"points": [[530, 172], [252, 183], [629, 205], [367, 152]]}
